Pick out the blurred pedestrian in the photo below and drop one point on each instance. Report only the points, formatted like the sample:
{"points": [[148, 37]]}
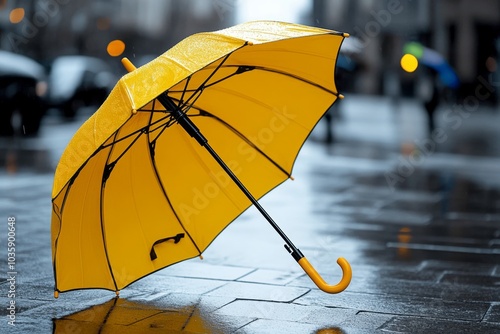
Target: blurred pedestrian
{"points": [[431, 97]]}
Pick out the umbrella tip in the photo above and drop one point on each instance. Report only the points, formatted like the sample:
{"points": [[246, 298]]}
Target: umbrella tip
{"points": [[341, 96], [56, 294], [345, 34], [117, 293], [292, 178], [128, 64]]}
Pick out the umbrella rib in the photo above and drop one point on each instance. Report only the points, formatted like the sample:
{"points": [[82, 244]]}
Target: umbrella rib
{"points": [[167, 124], [59, 216], [101, 208], [296, 77], [202, 86], [215, 82], [110, 165], [185, 89], [247, 68], [152, 145], [242, 136]]}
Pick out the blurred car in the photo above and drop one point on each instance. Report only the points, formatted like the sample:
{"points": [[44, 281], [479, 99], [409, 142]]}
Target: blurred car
{"points": [[78, 81], [22, 89]]}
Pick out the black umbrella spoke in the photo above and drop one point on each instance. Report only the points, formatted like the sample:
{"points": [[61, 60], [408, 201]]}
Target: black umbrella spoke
{"points": [[152, 109], [111, 165], [169, 122], [185, 89], [312, 83], [160, 132], [245, 68], [197, 91], [239, 69]]}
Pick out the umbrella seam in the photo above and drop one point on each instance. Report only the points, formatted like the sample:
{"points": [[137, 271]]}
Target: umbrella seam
{"points": [[249, 142], [164, 191], [103, 229]]}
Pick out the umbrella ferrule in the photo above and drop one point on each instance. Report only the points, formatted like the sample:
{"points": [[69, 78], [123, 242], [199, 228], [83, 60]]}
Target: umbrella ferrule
{"points": [[294, 252]]}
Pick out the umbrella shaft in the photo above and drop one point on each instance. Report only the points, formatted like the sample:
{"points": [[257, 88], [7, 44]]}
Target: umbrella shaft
{"points": [[194, 132]]}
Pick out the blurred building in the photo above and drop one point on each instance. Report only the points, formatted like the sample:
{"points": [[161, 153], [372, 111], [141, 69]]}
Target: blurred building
{"points": [[465, 32], [50, 28]]}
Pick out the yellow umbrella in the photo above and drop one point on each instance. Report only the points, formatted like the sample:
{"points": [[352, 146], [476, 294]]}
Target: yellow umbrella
{"points": [[133, 193]]}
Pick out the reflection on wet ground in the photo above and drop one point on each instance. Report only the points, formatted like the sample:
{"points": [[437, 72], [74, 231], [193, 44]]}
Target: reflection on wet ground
{"points": [[428, 214], [121, 315]]}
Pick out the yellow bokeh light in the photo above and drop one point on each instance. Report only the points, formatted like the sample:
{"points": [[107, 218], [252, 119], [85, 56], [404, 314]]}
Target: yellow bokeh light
{"points": [[409, 63], [116, 48], [16, 15]]}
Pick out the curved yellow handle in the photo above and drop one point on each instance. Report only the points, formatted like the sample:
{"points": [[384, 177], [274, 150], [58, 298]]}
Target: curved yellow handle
{"points": [[320, 282]]}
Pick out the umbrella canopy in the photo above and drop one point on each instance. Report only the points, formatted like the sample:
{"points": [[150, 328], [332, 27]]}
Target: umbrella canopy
{"points": [[435, 61], [133, 193]]}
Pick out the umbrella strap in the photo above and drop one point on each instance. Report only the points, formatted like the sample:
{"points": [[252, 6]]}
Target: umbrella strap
{"points": [[176, 239]]}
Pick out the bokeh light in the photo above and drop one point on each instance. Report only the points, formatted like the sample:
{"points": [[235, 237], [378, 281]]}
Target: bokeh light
{"points": [[116, 48], [16, 15], [409, 63]]}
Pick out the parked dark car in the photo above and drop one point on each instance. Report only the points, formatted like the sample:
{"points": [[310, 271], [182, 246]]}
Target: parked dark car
{"points": [[22, 89], [78, 81]]}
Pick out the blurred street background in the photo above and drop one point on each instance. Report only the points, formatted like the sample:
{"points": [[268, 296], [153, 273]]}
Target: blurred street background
{"points": [[401, 177], [54, 32]]}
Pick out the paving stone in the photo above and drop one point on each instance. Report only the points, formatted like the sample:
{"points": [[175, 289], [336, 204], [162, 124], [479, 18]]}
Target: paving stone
{"points": [[323, 316], [480, 280], [429, 325], [61, 308], [22, 305], [176, 301], [27, 325], [380, 283], [196, 268], [270, 277], [261, 292], [457, 267], [407, 275], [397, 304], [442, 290], [171, 284], [45, 292], [493, 314]]}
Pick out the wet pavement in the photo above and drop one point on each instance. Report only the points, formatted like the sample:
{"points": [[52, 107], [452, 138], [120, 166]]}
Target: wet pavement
{"points": [[418, 218]]}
